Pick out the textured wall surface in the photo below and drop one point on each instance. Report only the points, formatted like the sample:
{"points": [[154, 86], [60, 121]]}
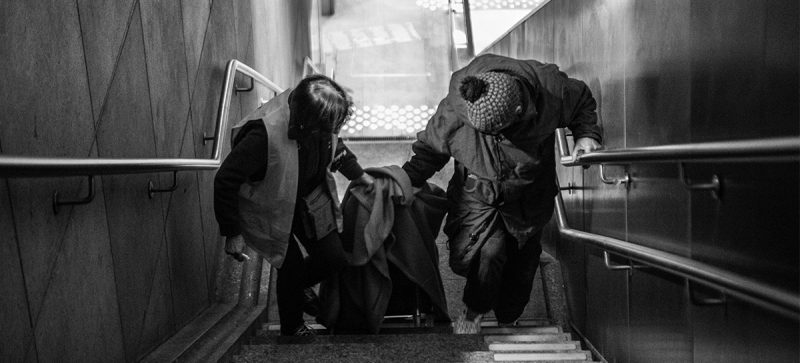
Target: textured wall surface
{"points": [[667, 72], [110, 280]]}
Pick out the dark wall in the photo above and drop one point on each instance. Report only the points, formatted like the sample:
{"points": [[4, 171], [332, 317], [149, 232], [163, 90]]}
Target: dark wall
{"points": [[667, 72], [110, 280]]}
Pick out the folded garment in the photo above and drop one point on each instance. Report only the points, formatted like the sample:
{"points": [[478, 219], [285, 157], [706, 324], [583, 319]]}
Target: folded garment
{"points": [[387, 225]]}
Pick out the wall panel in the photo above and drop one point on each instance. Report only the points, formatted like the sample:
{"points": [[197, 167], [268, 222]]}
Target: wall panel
{"points": [[660, 329], [125, 129], [539, 37], [752, 230], [607, 306], [112, 279], [103, 25], [16, 338], [744, 68], [195, 22], [187, 253], [166, 74], [602, 38], [46, 106], [77, 318], [657, 113], [667, 72], [736, 332]]}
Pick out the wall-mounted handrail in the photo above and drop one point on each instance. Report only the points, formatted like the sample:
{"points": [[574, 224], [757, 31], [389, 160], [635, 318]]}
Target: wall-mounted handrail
{"points": [[768, 149], [27, 166], [743, 287]]}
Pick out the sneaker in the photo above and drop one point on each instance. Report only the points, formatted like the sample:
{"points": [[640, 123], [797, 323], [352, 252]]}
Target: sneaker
{"points": [[466, 326], [305, 331], [311, 304]]}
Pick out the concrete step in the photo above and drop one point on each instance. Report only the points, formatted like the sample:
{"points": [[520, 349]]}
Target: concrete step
{"points": [[535, 347], [521, 330], [527, 338], [486, 357], [580, 356], [527, 322]]}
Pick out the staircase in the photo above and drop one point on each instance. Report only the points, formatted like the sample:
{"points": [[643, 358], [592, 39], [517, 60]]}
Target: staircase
{"points": [[531, 341]]}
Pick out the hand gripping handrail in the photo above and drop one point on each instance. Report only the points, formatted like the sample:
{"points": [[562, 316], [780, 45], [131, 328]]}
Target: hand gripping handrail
{"points": [[27, 166], [773, 298]]}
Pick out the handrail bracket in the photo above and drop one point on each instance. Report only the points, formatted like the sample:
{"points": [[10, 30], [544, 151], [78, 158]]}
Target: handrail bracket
{"points": [[152, 189], [715, 185], [611, 266], [85, 200], [248, 89], [616, 181]]}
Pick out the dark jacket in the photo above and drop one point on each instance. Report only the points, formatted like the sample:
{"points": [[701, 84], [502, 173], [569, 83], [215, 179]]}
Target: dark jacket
{"points": [[247, 162], [387, 229], [507, 180]]}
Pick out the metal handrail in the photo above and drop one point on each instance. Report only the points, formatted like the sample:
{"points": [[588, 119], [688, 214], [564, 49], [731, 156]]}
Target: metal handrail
{"points": [[748, 289], [771, 297], [769, 149], [27, 166], [309, 65]]}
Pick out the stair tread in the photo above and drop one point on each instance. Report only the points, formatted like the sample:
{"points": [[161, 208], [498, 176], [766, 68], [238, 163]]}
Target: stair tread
{"points": [[534, 347], [538, 356], [521, 330], [486, 357], [523, 338]]}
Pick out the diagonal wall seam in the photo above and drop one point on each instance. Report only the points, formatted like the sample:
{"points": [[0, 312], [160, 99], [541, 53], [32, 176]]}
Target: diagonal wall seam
{"points": [[96, 121], [30, 340]]}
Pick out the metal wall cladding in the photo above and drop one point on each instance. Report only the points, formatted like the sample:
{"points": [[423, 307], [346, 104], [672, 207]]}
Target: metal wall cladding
{"points": [[671, 72], [607, 304], [111, 280]]}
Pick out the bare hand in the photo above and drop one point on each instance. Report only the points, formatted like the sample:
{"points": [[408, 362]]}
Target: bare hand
{"points": [[235, 247], [585, 145]]}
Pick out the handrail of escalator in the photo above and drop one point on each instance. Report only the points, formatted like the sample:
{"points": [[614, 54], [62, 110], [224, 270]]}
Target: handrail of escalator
{"points": [[27, 166], [748, 289]]}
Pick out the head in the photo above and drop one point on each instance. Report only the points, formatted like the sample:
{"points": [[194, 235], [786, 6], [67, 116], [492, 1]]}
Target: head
{"points": [[493, 99], [317, 104]]}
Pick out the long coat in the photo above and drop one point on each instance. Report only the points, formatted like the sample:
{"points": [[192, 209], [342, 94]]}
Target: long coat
{"points": [[501, 182]]}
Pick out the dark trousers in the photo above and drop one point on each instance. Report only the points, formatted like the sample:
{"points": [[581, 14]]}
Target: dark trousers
{"points": [[501, 275], [325, 257]]}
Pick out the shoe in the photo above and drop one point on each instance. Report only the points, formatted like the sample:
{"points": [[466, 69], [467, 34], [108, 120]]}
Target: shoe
{"points": [[311, 304], [305, 331], [466, 326]]}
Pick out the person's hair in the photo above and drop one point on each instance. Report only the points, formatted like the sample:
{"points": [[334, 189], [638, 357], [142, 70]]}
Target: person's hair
{"points": [[318, 103]]}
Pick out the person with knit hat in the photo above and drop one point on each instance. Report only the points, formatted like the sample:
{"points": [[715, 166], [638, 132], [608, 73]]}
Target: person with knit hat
{"points": [[498, 123]]}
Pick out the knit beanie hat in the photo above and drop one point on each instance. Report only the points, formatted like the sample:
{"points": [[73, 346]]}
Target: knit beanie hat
{"points": [[492, 99]]}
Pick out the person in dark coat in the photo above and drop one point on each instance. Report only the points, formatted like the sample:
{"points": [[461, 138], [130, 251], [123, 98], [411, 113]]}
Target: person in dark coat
{"points": [[275, 190], [498, 122]]}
